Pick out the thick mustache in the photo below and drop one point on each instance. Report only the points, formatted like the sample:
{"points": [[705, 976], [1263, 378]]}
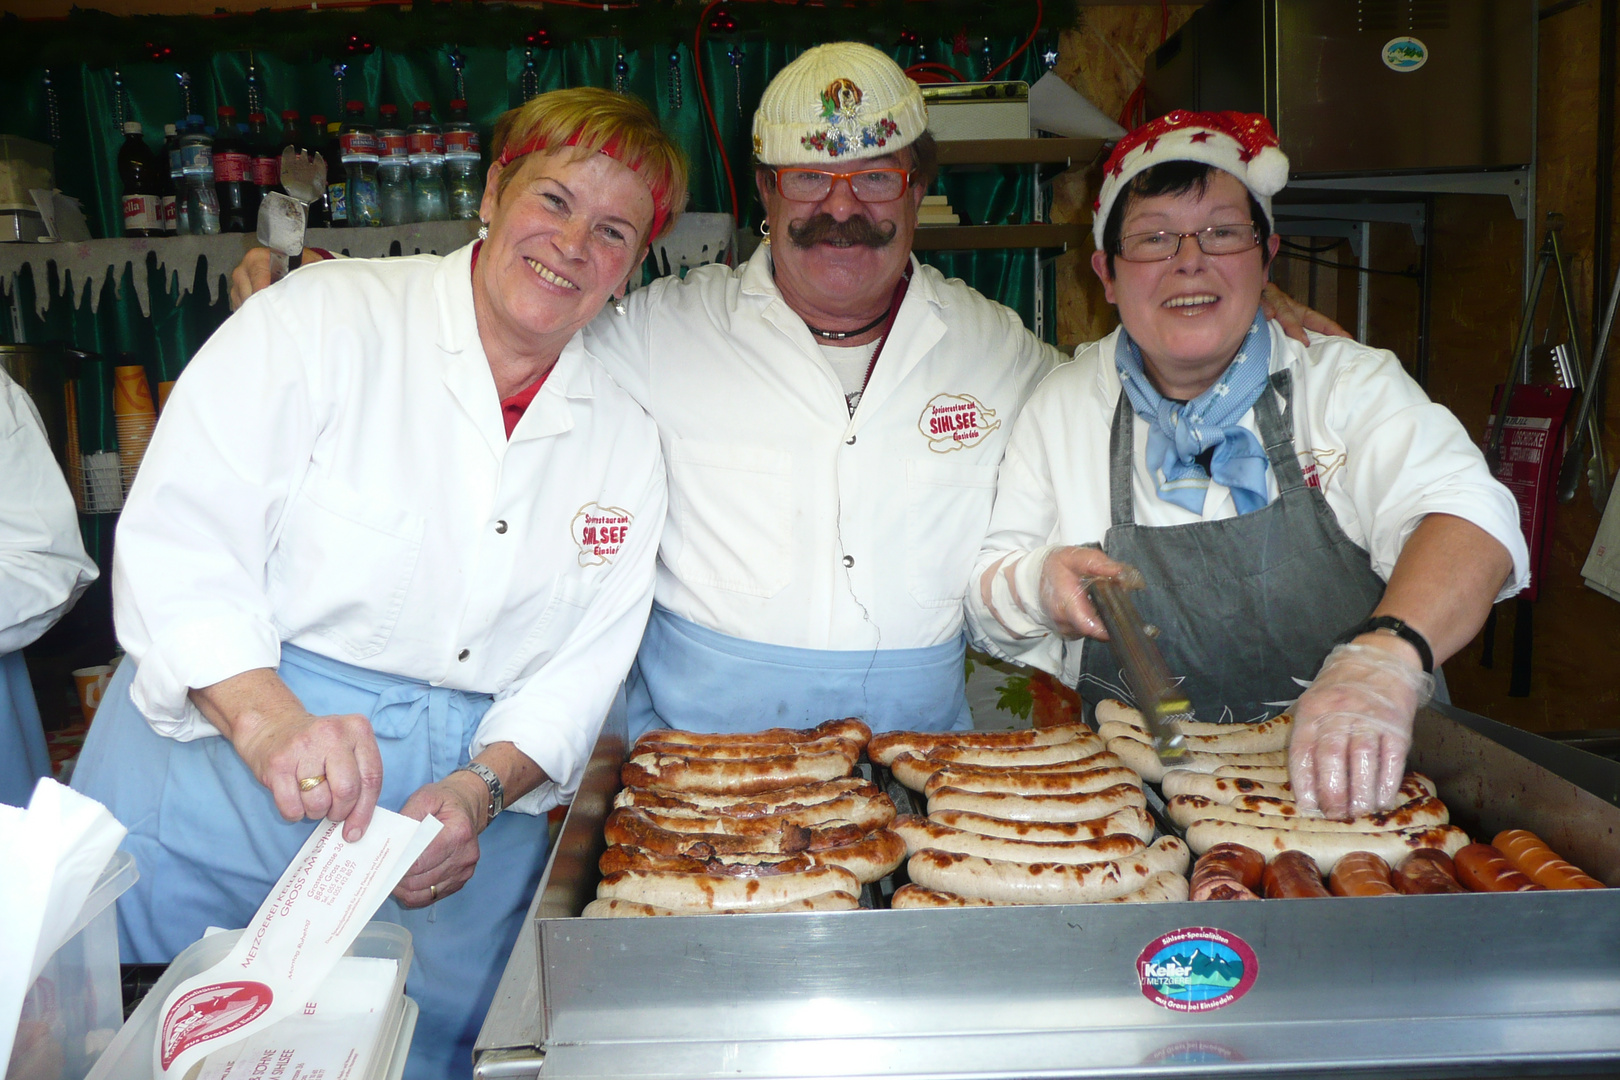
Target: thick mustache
{"points": [[855, 232]]}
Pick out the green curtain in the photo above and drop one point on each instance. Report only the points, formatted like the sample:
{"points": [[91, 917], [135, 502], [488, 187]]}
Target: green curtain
{"points": [[87, 151]]}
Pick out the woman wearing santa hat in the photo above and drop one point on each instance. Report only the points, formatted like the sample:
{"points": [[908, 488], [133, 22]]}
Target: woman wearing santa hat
{"points": [[1303, 515]]}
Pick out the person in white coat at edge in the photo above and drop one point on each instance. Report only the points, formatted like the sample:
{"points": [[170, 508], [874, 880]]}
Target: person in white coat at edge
{"points": [[393, 545], [833, 414], [43, 571], [1303, 515]]}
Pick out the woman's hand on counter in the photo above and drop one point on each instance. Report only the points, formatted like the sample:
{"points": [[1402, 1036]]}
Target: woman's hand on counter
{"points": [[286, 748], [461, 802]]}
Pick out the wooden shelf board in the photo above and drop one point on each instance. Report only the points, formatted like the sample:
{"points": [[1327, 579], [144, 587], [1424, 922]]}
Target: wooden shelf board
{"points": [[979, 237], [1018, 151]]}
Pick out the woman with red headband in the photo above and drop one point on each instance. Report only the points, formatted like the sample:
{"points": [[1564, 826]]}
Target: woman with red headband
{"points": [[1303, 515], [392, 545]]}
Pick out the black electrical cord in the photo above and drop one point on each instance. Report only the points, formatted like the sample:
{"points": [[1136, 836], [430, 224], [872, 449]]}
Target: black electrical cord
{"points": [[1311, 248], [1412, 274]]}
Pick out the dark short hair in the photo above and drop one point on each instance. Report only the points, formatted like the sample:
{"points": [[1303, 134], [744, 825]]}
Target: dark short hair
{"points": [[924, 162], [1172, 178]]}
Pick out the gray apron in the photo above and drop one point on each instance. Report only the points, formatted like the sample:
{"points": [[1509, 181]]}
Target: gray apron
{"points": [[1244, 605]]}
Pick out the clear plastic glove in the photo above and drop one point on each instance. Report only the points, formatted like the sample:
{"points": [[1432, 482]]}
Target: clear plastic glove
{"points": [[1352, 731], [1044, 591]]}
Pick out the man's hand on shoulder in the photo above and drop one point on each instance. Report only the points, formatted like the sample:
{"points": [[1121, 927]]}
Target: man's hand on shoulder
{"points": [[255, 272], [1295, 318]]}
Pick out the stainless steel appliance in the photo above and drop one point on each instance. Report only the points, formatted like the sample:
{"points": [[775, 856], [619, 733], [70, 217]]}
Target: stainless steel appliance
{"points": [[1473, 985], [1363, 86]]}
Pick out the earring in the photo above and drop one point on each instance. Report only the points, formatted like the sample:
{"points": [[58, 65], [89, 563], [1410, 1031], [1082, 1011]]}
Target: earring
{"points": [[483, 230], [618, 305], [765, 229]]}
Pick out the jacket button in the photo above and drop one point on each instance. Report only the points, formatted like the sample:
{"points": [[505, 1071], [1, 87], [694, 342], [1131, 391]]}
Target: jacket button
{"points": [[463, 654], [850, 441], [500, 526], [849, 560]]}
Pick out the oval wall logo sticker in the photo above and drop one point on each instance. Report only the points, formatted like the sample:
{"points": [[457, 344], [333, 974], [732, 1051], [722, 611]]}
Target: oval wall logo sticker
{"points": [[1405, 54], [1196, 969]]}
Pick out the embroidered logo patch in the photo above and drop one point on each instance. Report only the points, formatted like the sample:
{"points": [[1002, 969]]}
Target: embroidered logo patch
{"points": [[600, 531], [1320, 465], [952, 421], [845, 133]]}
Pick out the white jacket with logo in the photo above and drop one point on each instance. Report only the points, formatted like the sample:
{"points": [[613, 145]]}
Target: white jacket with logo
{"points": [[332, 471], [790, 522], [1383, 454]]}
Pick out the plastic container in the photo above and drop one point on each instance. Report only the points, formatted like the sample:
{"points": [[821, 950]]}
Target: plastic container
{"points": [[75, 1007], [130, 1055]]}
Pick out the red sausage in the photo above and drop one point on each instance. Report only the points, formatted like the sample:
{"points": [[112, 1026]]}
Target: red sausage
{"points": [[1427, 871], [1530, 855], [1484, 869], [1294, 875], [1361, 873], [1233, 865]]}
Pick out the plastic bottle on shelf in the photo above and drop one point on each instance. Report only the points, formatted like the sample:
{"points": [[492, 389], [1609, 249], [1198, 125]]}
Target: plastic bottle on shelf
{"points": [[138, 172], [463, 177], [169, 169], [427, 166], [264, 157], [197, 168], [238, 198], [393, 169], [320, 211], [337, 179], [359, 146]]}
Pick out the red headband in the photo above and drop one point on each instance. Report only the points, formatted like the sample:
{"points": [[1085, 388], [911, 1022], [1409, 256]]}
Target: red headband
{"points": [[612, 148]]}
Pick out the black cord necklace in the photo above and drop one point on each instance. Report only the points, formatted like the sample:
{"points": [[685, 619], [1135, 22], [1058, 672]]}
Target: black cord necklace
{"points": [[840, 335]]}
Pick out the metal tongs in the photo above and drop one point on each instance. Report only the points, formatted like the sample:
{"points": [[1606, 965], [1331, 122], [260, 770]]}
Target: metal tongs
{"points": [[1161, 704], [284, 218]]}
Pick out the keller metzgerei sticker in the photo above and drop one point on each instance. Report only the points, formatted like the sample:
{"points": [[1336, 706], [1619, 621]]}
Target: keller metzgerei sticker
{"points": [[1196, 969]]}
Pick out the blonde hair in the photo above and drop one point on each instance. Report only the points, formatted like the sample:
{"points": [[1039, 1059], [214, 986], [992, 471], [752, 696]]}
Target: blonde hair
{"points": [[597, 121]]}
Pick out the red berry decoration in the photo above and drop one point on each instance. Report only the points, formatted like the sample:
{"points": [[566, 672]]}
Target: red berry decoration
{"points": [[539, 39], [910, 38], [355, 45], [158, 53], [721, 21]]}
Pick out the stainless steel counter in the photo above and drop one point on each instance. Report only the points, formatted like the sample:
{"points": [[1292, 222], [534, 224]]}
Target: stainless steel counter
{"points": [[1474, 985]]}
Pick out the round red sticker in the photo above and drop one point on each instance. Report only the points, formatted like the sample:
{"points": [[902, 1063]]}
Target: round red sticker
{"points": [[1196, 969]]}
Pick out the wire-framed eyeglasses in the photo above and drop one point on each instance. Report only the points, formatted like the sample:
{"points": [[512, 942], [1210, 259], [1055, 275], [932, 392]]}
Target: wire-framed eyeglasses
{"points": [[1215, 240], [868, 185]]}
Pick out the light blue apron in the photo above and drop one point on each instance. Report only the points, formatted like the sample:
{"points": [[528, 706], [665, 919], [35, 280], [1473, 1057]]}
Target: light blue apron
{"points": [[23, 757], [210, 843], [690, 677]]}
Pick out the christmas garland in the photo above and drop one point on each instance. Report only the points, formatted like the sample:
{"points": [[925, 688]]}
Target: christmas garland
{"points": [[97, 39]]}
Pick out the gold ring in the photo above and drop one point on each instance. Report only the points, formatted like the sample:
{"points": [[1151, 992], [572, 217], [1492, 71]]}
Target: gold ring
{"points": [[310, 783], [433, 894]]}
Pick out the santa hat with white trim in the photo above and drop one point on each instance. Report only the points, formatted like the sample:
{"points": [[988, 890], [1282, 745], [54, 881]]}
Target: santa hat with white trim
{"points": [[1242, 144]]}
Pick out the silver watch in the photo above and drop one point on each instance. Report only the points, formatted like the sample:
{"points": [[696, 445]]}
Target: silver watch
{"points": [[497, 793]]}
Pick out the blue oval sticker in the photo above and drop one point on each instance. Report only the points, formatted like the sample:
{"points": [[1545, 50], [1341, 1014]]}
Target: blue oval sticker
{"points": [[1405, 54], [1196, 969]]}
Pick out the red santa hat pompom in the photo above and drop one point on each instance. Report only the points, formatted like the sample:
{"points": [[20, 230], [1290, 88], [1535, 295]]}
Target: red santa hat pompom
{"points": [[1242, 144]]}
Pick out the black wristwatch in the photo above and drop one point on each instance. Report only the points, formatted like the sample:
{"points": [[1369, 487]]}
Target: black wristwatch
{"points": [[1400, 630], [497, 793]]}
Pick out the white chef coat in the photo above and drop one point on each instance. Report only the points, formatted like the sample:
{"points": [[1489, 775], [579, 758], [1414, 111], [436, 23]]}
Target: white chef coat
{"points": [[43, 567], [791, 522], [1383, 454], [370, 508]]}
